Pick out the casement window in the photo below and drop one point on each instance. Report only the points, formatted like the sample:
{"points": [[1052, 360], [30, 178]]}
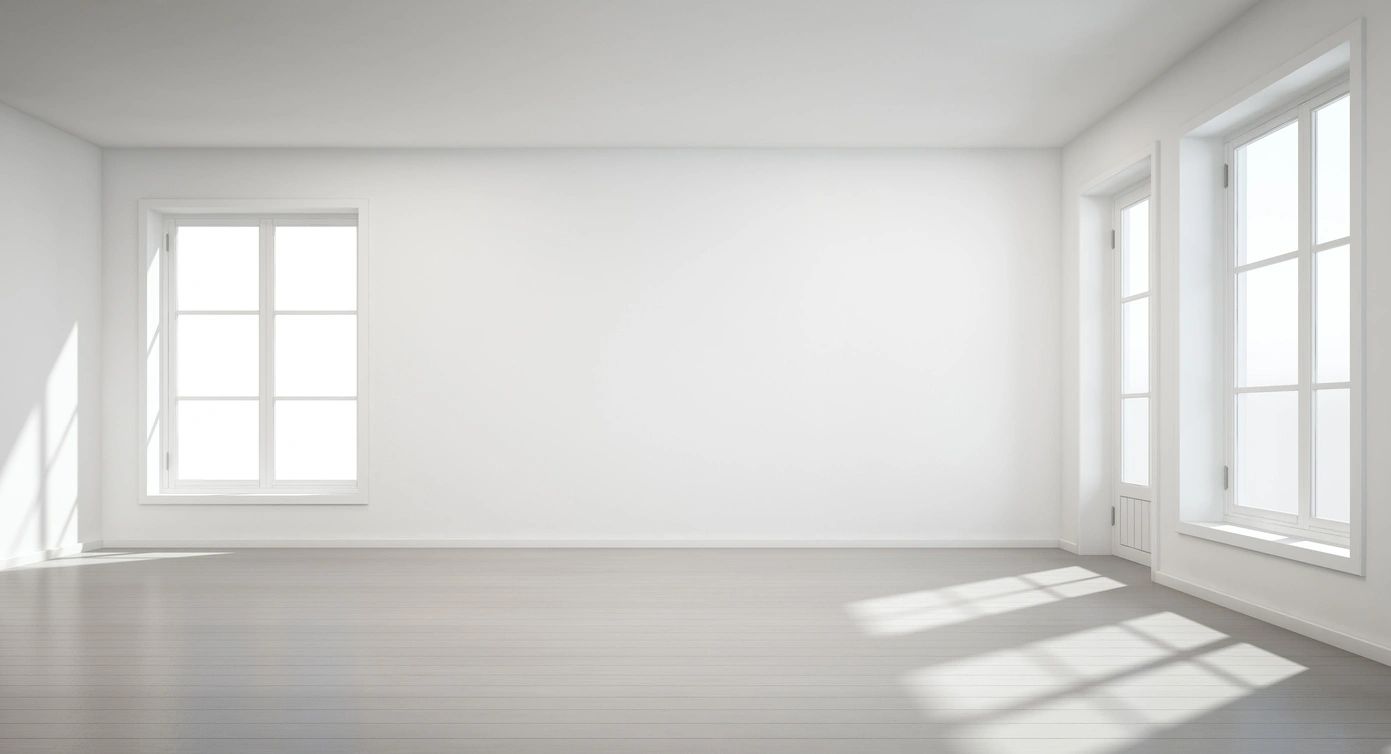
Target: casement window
{"points": [[259, 339], [1131, 240], [1293, 338]]}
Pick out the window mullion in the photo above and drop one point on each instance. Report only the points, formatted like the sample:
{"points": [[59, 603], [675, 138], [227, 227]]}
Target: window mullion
{"points": [[267, 402], [1306, 318]]}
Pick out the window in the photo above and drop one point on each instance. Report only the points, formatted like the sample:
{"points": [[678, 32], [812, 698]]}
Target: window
{"points": [[1132, 243], [261, 361], [1290, 310]]}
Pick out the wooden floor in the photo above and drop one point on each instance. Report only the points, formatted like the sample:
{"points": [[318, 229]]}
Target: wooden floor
{"points": [[689, 651]]}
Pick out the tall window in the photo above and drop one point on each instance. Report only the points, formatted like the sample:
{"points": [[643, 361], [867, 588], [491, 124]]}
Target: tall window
{"points": [[1291, 350], [260, 385], [1132, 242]]}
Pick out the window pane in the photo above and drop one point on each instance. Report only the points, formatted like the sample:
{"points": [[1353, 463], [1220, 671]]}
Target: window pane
{"points": [[218, 440], [1333, 315], [316, 440], [1267, 184], [316, 267], [1267, 451], [1332, 454], [1268, 325], [1135, 441], [217, 355], [316, 354], [1135, 337], [1135, 238], [1332, 170], [218, 268]]}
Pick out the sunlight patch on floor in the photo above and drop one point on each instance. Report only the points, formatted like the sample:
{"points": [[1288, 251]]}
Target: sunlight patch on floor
{"points": [[1102, 684], [107, 558], [919, 611]]}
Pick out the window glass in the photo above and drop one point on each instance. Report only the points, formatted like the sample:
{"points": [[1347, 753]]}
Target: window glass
{"points": [[1332, 170], [1135, 356], [1267, 198], [316, 268], [1267, 451], [316, 355], [218, 355], [1135, 441], [1333, 315], [218, 268], [1135, 237], [315, 440], [218, 440], [1267, 320], [1332, 454]]}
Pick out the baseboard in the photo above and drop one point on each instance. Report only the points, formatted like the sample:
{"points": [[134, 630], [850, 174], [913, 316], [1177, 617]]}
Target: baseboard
{"points": [[1358, 646], [582, 543], [1069, 545], [31, 558]]}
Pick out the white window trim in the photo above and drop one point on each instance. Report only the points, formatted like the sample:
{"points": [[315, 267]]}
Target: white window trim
{"points": [[1124, 200], [1337, 56], [157, 217], [1303, 525]]}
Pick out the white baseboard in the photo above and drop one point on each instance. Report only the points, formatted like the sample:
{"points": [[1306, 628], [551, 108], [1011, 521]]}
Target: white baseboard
{"points": [[1358, 646], [1069, 545], [585, 543], [40, 556]]}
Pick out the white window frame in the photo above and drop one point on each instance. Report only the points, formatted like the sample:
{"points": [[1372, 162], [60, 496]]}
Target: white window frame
{"points": [[1125, 200], [159, 237], [1304, 523]]}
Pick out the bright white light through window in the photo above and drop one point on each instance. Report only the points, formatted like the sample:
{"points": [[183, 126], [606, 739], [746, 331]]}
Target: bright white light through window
{"points": [[1293, 378], [262, 369]]}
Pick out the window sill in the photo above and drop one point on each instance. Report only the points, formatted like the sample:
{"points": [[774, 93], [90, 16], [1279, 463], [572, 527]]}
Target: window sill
{"points": [[274, 498], [1313, 552]]}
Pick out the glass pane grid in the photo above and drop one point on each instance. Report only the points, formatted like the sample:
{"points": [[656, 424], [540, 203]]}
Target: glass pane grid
{"points": [[312, 424]]}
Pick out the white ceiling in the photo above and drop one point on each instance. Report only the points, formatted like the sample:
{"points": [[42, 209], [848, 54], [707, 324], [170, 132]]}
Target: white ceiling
{"points": [[415, 73]]}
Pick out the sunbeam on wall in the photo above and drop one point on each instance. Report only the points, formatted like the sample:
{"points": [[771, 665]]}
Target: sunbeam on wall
{"points": [[39, 479]]}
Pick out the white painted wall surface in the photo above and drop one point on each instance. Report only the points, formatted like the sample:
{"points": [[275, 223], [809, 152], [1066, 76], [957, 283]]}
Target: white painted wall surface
{"points": [[661, 345], [1258, 43], [50, 336]]}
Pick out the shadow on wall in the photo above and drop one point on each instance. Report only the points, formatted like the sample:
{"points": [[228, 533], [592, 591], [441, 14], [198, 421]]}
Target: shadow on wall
{"points": [[39, 473]]}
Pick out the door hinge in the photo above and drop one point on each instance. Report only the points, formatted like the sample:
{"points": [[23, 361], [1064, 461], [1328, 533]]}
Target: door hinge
{"points": [[1226, 477], [1113, 238], [166, 242], [1113, 515], [1226, 175], [166, 461]]}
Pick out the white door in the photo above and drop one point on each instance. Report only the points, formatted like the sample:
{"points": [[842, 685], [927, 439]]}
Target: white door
{"points": [[1133, 469]]}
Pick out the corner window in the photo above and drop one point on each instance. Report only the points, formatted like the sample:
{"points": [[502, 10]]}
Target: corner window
{"points": [[258, 334], [1290, 345]]}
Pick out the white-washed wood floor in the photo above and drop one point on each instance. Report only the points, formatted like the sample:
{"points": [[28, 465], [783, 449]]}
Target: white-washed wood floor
{"points": [[805, 651]]}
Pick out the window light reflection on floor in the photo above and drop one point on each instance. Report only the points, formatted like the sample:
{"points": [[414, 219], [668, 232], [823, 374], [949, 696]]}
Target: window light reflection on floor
{"points": [[920, 611], [1122, 683]]}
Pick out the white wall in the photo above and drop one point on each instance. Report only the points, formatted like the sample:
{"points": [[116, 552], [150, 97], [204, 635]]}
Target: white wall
{"points": [[681, 344], [50, 335], [1258, 43]]}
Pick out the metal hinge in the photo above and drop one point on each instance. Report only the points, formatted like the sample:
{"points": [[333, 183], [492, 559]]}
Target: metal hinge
{"points": [[1113, 238], [166, 461], [1226, 175], [166, 242], [1113, 515], [1226, 477]]}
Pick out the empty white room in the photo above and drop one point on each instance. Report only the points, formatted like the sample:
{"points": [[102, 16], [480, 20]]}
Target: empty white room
{"points": [[695, 376]]}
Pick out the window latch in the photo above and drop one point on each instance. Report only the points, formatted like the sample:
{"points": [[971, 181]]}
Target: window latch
{"points": [[1226, 477]]}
